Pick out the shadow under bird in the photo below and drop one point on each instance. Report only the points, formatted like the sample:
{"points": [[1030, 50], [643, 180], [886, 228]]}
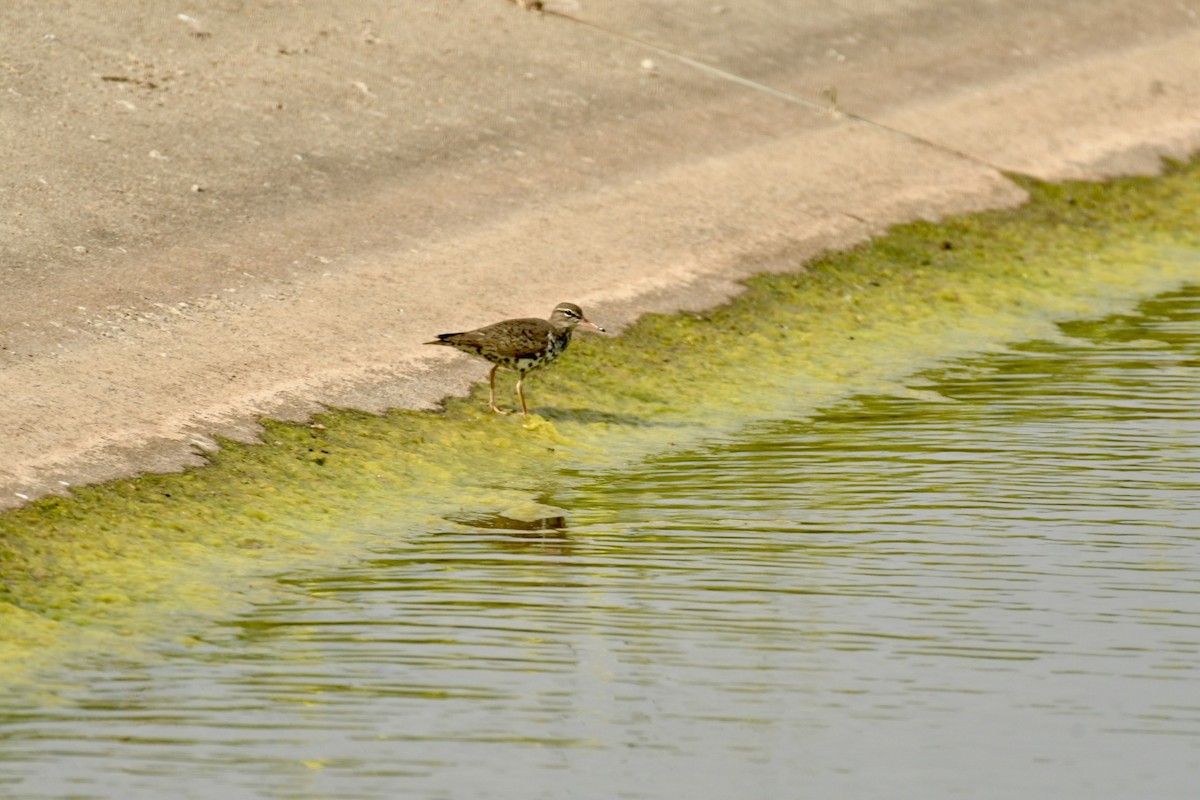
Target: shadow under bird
{"points": [[521, 345]]}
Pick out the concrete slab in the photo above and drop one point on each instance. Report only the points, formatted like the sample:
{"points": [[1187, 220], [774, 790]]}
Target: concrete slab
{"points": [[263, 210]]}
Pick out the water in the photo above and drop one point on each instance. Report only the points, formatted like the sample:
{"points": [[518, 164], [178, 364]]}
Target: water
{"points": [[989, 589]]}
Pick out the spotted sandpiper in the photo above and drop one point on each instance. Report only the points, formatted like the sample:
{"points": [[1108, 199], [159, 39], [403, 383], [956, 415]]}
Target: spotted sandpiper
{"points": [[522, 345]]}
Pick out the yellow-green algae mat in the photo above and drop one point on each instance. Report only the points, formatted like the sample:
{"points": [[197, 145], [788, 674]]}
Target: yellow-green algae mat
{"points": [[158, 558]]}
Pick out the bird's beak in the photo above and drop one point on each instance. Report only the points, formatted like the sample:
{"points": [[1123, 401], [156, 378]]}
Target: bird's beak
{"points": [[591, 326]]}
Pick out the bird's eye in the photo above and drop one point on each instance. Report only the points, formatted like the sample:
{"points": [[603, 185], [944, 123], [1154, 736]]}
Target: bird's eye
{"points": [[569, 312]]}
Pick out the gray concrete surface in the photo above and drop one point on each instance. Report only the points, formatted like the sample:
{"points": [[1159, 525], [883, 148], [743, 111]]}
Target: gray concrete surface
{"points": [[213, 212]]}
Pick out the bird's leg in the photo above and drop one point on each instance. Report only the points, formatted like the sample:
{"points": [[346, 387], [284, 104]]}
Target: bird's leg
{"points": [[521, 394], [492, 391]]}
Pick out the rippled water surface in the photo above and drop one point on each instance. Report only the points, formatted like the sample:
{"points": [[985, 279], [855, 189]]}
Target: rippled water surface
{"points": [[989, 588]]}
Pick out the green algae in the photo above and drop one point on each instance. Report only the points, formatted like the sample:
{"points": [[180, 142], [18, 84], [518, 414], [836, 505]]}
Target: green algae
{"points": [[151, 558]]}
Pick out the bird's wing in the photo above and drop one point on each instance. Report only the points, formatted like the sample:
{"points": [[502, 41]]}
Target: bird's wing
{"points": [[518, 338]]}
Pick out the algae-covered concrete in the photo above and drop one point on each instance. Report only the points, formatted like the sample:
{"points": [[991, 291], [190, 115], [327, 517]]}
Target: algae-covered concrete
{"points": [[148, 560], [215, 212]]}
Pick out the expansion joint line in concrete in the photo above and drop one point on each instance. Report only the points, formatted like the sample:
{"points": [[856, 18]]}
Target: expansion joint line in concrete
{"points": [[831, 108]]}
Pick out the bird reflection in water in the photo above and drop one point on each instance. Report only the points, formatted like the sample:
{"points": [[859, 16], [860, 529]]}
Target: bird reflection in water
{"points": [[547, 535]]}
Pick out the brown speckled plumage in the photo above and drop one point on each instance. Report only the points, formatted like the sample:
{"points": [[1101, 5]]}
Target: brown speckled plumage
{"points": [[521, 345]]}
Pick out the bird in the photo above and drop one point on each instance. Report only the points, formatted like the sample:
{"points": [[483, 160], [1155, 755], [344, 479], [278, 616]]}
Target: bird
{"points": [[521, 345]]}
